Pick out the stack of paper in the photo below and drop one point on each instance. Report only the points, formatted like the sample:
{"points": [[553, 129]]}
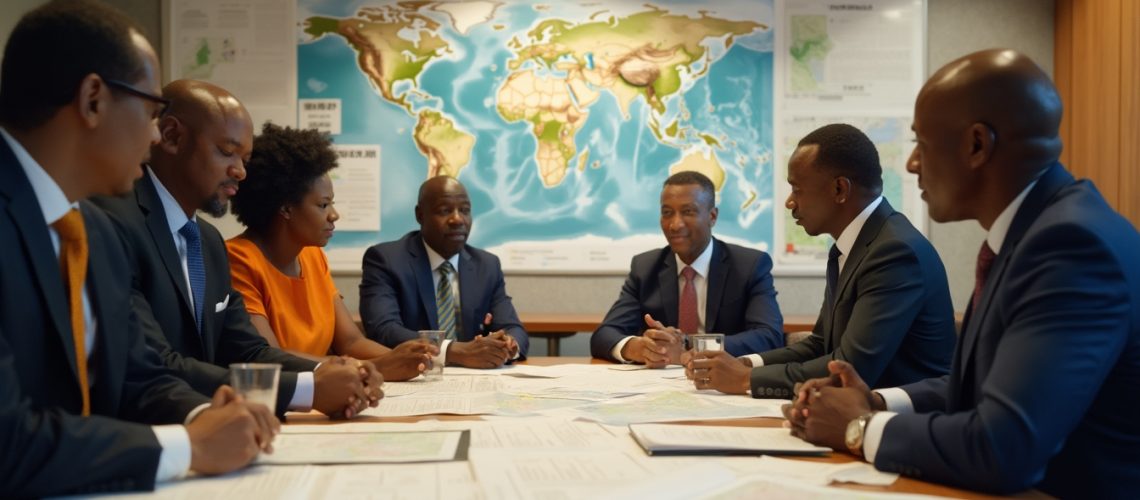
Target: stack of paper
{"points": [[660, 439]]}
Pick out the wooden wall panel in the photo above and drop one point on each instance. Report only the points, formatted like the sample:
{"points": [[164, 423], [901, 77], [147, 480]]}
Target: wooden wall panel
{"points": [[1097, 70]]}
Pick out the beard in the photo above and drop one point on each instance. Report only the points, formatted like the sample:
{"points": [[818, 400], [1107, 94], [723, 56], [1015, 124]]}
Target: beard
{"points": [[216, 207]]}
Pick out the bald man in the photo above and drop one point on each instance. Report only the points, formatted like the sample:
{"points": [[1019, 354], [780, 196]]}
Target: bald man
{"points": [[182, 292], [1042, 390], [404, 285]]}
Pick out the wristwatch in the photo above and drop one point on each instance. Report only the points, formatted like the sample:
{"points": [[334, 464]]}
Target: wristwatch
{"points": [[855, 431]]}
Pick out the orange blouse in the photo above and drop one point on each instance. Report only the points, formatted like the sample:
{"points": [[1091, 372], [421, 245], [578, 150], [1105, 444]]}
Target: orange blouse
{"points": [[301, 310]]}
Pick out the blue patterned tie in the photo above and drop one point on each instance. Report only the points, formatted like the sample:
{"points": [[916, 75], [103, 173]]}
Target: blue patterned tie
{"points": [[195, 267], [445, 300]]}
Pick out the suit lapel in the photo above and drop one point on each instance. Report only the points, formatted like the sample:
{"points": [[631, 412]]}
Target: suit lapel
{"points": [[106, 385], [714, 286], [424, 283], [866, 237], [668, 284], [1035, 202], [214, 263], [468, 296], [159, 228], [25, 211]]}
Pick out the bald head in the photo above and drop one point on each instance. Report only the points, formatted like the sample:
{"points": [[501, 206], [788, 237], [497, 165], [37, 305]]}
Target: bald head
{"points": [[206, 138], [444, 214], [1008, 93]]}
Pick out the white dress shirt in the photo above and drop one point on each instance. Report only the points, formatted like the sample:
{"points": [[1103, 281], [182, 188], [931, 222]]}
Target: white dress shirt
{"points": [[174, 460], [700, 282], [302, 399], [435, 260], [896, 399]]}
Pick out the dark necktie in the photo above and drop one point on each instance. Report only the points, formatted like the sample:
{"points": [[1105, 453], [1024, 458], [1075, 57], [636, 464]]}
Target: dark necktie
{"points": [[986, 257], [73, 263], [832, 275], [195, 268], [689, 319], [445, 300]]}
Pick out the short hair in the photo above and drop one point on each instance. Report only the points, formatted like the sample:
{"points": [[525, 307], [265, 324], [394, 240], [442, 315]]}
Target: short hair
{"points": [[281, 170], [689, 178], [847, 151], [53, 48]]}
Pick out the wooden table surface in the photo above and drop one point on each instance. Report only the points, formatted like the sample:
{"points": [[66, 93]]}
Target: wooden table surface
{"points": [[902, 485]]}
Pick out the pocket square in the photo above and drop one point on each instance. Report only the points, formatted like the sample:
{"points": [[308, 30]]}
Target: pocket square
{"points": [[221, 306]]}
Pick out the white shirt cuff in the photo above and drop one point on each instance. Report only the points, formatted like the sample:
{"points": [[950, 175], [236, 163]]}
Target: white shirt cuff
{"points": [[303, 394], [174, 459], [873, 434], [897, 400], [757, 361], [194, 413], [442, 358], [616, 352]]}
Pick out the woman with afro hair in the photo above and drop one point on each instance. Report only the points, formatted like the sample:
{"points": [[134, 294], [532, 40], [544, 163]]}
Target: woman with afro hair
{"points": [[286, 205]]}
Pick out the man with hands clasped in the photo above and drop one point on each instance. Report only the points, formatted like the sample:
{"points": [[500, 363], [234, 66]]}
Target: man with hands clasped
{"points": [[1041, 389], [698, 283], [432, 279]]}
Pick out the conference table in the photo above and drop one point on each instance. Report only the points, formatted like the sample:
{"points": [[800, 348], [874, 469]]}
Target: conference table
{"points": [[902, 485]]}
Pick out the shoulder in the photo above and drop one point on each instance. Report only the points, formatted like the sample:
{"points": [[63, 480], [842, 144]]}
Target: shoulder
{"points": [[394, 249], [741, 256], [243, 253], [123, 210], [483, 257], [648, 261], [897, 234]]}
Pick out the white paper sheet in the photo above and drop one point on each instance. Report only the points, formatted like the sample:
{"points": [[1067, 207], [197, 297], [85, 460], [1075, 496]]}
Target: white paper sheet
{"points": [[682, 438], [363, 447]]}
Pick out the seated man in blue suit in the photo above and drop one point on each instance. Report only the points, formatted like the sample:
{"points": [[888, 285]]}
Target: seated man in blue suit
{"points": [[432, 279], [1042, 389], [886, 307], [85, 406], [696, 284]]}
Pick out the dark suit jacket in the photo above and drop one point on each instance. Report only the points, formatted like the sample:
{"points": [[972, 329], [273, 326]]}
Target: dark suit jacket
{"points": [[162, 302], [1042, 390], [892, 318], [740, 301], [48, 448], [397, 295]]}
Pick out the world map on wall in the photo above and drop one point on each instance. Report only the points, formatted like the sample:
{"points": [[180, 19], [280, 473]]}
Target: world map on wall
{"points": [[562, 119]]}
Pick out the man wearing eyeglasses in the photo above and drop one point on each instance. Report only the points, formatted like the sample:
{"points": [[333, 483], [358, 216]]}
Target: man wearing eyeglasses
{"points": [[182, 295], [85, 406]]}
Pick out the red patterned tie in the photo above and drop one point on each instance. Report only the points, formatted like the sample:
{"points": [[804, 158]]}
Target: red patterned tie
{"points": [[985, 259], [689, 322]]}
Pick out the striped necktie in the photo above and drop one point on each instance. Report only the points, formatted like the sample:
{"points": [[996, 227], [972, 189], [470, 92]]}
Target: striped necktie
{"points": [[445, 300], [73, 263]]}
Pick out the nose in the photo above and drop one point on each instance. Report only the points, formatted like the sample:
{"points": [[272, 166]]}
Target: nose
{"points": [[913, 163], [155, 134], [789, 203], [454, 218], [674, 222], [333, 214], [238, 170]]}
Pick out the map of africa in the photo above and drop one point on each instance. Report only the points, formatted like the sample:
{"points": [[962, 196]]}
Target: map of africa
{"points": [[561, 119]]}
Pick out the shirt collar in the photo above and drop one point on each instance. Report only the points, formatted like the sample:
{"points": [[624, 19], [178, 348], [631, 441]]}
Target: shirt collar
{"points": [[850, 233], [435, 259], [175, 217], [53, 203], [701, 263], [1001, 224]]}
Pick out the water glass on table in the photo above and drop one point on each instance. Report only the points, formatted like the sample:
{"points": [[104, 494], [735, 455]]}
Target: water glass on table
{"points": [[256, 382], [434, 370]]}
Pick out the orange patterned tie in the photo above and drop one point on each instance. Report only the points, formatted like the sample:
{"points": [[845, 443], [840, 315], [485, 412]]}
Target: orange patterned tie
{"points": [[73, 263]]}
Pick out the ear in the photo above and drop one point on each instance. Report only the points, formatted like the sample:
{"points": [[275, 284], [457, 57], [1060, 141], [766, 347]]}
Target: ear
{"points": [[842, 189], [171, 132], [286, 212], [419, 216], [983, 139], [91, 100], [712, 216]]}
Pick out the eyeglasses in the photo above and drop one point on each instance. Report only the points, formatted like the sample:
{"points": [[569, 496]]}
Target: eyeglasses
{"points": [[163, 104]]}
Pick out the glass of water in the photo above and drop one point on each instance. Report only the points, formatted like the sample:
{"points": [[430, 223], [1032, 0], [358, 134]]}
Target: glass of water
{"points": [[435, 366], [707, 342], [256, 382]]}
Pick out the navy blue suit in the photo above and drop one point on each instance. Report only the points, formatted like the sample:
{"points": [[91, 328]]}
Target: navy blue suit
{"points": [[49, 449], [397, 294], [740, 300], [1043, 387]]}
